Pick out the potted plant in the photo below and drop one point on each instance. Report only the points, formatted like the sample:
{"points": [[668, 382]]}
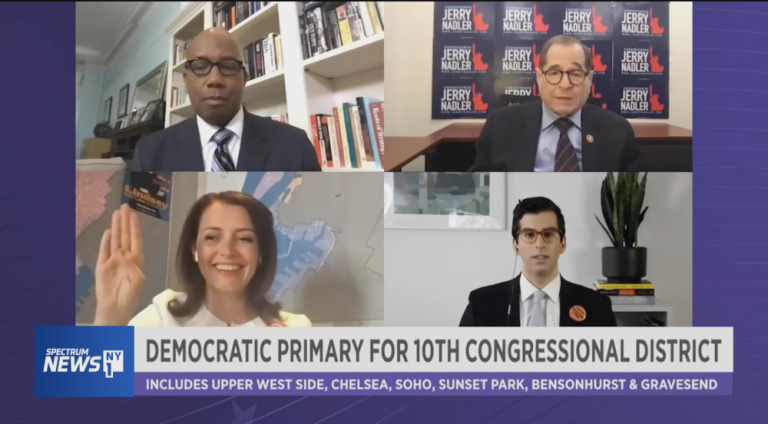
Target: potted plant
{"points": [[621, 200]]}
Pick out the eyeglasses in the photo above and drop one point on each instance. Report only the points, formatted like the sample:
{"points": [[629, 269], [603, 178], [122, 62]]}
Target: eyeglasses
{"points": [[549, 235], [203, 67], [554, 76]]}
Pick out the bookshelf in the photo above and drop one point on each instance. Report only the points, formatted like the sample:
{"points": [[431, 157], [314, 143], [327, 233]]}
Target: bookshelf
{"points": [[302, 87]]}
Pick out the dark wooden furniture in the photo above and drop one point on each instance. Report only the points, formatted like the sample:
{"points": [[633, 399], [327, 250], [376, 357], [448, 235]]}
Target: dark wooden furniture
{"points": [[124, 140], [663, 148]]}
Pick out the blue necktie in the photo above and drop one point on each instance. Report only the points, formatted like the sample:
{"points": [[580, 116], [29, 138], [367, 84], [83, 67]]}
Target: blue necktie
{"points": [[222, 160], [537, 317]]}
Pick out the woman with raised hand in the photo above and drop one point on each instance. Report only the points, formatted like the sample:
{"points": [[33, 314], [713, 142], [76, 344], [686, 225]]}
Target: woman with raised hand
{"points": [[226, 263]]}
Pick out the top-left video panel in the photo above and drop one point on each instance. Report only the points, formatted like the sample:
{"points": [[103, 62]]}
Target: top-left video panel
{"points": [[230, 86]]}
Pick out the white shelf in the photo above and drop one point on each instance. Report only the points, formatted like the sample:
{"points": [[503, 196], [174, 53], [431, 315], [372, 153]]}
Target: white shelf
{"points": [[257, 25], [179, 67], [264, 86], [641, 308], [183, 110], [351, 170], [360, 56]]}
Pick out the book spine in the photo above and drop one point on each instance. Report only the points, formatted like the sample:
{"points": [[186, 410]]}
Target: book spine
{"points": [[344, 27], [621, 293], [269, 55], [375, 20], [327, 141], [343, 156], [358, 136], [316, 137], [246, 64], [333, 22], [303, 35], [365, 135], [355, 25], [258, 51], [365, 18], [322, 43], [323, 152], [334, 146], [380, 9], [311, 34], [377, 116], [278, 52], [350, 136], [343, 136]]}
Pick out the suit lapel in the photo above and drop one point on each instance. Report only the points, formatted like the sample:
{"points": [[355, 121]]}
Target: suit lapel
{"points": [[514, 299], [188, 153], [254, 150], [590, 151], [524, 155], [567, 301]]}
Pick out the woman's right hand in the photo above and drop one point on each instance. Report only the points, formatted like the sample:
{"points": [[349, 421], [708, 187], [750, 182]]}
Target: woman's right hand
{"points": [[119, 276]]}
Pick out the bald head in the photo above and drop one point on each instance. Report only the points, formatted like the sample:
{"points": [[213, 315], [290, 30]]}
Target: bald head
{"points": [[214, 39], [215, 92]]}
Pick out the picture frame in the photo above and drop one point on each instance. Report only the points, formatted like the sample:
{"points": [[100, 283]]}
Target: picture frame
{"points": [[107, 110], [122, 105], [445, 201], [149, 111], [118, 124]]}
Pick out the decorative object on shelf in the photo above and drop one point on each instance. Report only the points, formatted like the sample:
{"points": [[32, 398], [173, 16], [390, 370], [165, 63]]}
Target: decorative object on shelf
{"points": [[122, 105], [445, 200], [107, 110], [102, 130], [621, 201], [118, 124], [150, 88], [151, 111]]}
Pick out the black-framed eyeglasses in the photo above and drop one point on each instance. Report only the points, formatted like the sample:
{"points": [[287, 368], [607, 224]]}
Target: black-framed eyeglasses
{"points": [[549, 235], [576, 77], [203, 67]]}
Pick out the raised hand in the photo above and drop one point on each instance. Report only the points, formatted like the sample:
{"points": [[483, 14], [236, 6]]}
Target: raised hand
{"points": [[119, 275]]}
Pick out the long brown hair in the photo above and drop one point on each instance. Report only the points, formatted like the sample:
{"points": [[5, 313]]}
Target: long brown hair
{"points": [[191, 279]]}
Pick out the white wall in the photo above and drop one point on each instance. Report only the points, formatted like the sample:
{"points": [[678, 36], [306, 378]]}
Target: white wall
{"points": [[408, 67], [429, 273]]}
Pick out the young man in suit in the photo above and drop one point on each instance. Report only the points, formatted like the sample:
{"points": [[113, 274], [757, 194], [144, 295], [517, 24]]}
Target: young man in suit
{"points": [[222, 136], [560, 132], [539, 296]]}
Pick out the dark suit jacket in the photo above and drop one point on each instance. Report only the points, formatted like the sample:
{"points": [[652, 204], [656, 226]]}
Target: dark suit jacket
{"points": [[510, 138], [488, 306], [266, 145]]}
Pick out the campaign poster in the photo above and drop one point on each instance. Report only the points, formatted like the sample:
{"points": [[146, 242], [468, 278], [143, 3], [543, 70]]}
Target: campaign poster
{"points": [[462, 98], [528, 20], [516, 57], [647, 20], [461, 58], [641, 98], [601, 94], [641, 58], [464, 19], [602, 58], [515, 89], [148, 193], [587, 20]]}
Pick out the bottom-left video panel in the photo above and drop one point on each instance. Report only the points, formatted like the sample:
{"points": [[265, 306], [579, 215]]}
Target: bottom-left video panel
{"points": [[230, 249]]}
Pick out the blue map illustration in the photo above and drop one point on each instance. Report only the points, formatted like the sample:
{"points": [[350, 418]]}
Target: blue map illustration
{"points": [[302, 248]]}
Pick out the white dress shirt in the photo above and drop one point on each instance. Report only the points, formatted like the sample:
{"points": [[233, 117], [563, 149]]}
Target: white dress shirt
{"points": [[233, 146], [551, 301], [157, 315]]}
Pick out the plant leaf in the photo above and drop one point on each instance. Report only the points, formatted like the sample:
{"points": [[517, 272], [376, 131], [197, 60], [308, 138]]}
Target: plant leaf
{"points": [[605, 204], [610, 237]]}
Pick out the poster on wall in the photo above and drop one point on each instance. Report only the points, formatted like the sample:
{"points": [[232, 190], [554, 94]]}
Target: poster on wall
{"points": [[464, 19], [148, 193], [463, 57], [528, 20], [499, 50], [641, 98], [462, 98], [648, 20]]}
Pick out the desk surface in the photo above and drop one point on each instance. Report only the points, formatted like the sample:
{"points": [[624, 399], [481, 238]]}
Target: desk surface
{"points": [[402, 150]]}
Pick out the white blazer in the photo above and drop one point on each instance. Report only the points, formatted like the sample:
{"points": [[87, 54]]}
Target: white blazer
{"points": [[157, 315]]}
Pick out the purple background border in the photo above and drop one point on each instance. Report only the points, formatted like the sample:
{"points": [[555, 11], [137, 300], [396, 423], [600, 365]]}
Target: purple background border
{"points": [[730, 266]]}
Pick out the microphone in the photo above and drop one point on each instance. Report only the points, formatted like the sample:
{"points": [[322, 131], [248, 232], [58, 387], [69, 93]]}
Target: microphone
{"points": [[512, 292]]}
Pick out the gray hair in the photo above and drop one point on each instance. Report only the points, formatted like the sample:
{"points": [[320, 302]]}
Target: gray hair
{"points": [[566, 40]]}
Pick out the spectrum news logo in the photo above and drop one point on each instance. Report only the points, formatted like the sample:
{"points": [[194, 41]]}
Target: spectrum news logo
{"points": [[78, 360]]}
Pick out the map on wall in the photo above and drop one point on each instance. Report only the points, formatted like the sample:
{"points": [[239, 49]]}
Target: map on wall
{"points": [[329, 233], [91, 190]]}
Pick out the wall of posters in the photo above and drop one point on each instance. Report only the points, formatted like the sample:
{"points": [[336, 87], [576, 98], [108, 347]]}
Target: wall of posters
{"points": [[483, 50]]}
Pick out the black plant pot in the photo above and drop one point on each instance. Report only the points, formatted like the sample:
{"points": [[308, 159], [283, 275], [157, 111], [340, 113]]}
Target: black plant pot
{"points": [[626, 264]]}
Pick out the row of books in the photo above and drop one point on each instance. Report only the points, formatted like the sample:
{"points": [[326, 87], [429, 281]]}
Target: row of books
{"points": [[181, 51], [352, 137], [282, 117], [622, 293], [228, 14], [179, 96], [325, 26], [263, 57]]}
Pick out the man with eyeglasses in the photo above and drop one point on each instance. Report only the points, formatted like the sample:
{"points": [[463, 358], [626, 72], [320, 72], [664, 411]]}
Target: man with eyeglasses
{"points": [[222, 137], [539, 296], [560, 132]]}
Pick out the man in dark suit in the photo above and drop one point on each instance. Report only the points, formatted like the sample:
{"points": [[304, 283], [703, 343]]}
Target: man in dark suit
{"points": [[222, 136], [539, 296], [560, 132]]}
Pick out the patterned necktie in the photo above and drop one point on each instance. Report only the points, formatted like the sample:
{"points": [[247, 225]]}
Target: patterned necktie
{"points": [[222, 160], [566, 158], [537, 318]]}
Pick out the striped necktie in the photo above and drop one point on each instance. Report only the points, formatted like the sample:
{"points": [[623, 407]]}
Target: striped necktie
{"points": [[566, 158], [222, 160]]}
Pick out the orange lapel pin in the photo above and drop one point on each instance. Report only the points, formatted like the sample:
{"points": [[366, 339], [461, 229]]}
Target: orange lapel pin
{"points": [[578, 313], [590, 138]]}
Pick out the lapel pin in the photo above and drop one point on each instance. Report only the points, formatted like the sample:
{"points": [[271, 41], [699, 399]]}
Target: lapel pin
{"points": [[578, 313], [590, 138]]}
